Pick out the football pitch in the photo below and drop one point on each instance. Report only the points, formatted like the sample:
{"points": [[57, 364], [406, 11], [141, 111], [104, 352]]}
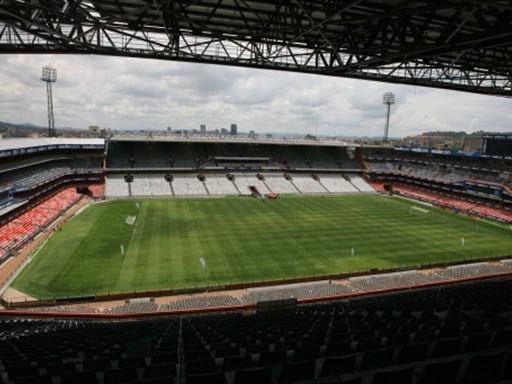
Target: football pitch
{"points": [[187, 243]]}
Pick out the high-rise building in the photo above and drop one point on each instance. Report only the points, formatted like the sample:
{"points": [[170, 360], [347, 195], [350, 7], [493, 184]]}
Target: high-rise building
{"points": [[202, 129], [233, 129]]}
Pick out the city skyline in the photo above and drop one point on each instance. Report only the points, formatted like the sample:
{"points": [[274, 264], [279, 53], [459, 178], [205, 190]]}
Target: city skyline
{"points": [[141, 94]]}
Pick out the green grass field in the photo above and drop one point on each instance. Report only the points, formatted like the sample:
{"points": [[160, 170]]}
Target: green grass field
{"points": [[244, 240]]}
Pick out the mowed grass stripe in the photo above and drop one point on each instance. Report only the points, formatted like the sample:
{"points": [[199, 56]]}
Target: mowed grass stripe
{"points": [[244, 240]]}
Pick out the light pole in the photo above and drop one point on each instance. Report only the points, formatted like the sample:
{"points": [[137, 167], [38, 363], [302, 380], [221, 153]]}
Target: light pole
{"points": [[388, 99], [50, 76]]}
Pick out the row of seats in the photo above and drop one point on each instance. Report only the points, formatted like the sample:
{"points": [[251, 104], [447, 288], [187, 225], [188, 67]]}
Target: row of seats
{"points": [[461, 334], [17, 232], [470, 207], [432, 168], [219, 185], [191, 155]]}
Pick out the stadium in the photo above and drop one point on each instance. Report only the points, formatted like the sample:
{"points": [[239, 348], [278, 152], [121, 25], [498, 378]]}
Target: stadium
{"points": [[166, 258]]}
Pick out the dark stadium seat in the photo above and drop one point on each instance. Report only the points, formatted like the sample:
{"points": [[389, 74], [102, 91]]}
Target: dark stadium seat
{"points": [[374, 359], [159, 370], [80, 377], [119, 375], [477, 342], [338, 348], [445, 347], [39, 379], [260, 375], [397, 339], [337, 365], [202, 366], [164, 358], [96, 364], [22, 371], [158, 380], [272, 357], [207, 378], [412, 352], [56, 369], [306, 353], [368, 343], [232, 363], [138, 361], [441, 372], [295, 371], [403, 375], [483, 368]]}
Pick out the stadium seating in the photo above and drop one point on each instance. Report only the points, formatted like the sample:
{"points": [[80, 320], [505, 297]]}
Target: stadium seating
{"points": [[307, 185], [337, 184], [18, 232], [220, 347], [150, 185]]}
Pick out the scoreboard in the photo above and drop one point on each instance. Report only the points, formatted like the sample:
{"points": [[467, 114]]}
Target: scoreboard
{"points": [[497, 145]]}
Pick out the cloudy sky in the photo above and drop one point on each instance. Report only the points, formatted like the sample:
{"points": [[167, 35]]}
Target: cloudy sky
{"points": [[127, 93]]}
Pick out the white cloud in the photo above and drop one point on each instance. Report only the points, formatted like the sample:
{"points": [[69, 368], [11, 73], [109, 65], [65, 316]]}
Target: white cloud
{"points": [[127, 93]]}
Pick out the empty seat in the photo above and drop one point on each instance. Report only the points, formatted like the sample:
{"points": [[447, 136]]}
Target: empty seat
{"points": [[446, 347], [380, 358], [368, 344], [300, 370], [56, 369], [119, 375], [477, 342], [483, 368], [207, 378], [260, 375], [412, 353], [96, 364], [39, 379], [199, 367], [232, 363], [227, 351], [137, 361], [397, 339], [306, 353], [157, 380], [159, 370], [22, 371], [441, 372], [338, 348], [398, 376], [272, 357], [337, 365], [80, 377], [162, 358]]}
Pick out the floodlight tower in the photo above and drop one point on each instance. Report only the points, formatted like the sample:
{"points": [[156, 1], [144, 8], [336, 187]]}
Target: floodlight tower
{"points": [[49, 77], [388, 99]]}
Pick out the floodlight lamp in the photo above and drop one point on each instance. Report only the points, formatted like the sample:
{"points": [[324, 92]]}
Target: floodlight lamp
{"points": [[49, 74], [388, 98]]}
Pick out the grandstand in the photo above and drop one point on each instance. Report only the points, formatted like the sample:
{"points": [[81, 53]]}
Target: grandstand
{"points": [[467, 182], [420, 325]]}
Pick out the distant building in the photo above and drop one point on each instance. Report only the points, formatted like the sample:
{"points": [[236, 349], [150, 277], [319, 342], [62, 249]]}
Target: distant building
{"points": [[233, 130], [473, 143], [94, 130], [202, 129], [223, 131]]}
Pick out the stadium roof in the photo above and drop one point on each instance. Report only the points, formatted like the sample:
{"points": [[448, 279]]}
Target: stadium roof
{"points": [[10, 144], [462, 45]]}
